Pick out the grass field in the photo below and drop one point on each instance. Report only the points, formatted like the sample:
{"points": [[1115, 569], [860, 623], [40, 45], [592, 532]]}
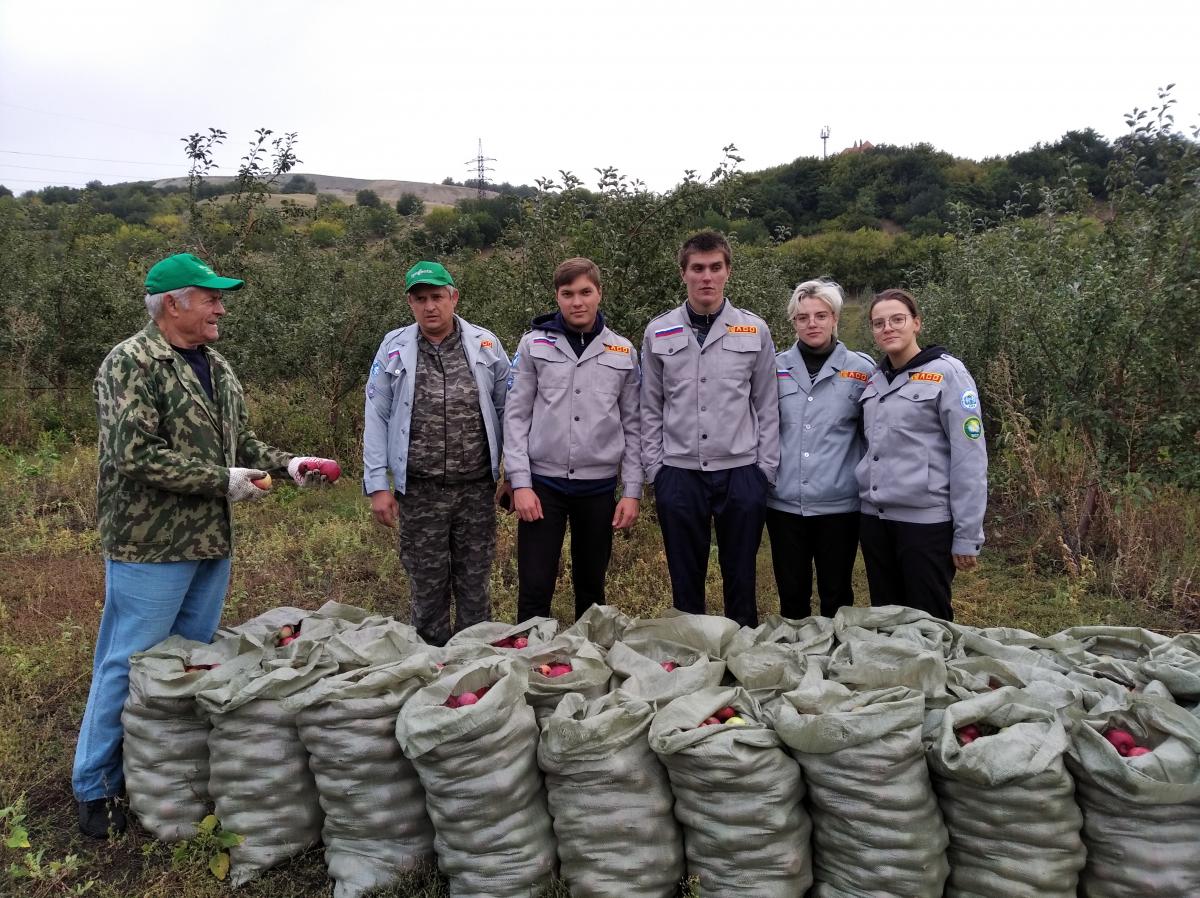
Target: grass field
{"points": [[297, 548]]}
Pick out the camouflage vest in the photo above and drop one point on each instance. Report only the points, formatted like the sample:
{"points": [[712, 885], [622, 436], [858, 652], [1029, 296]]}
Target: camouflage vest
{"points": [[447, 438], [165, 451]]}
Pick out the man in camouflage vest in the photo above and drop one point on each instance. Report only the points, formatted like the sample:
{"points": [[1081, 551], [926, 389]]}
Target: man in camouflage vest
{"points": [[435, 399], [175, 452]]}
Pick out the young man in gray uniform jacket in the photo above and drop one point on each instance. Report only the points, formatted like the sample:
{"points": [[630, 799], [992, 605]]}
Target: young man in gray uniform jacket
{"points": [[570, 428], [435, 398], [710, 430]]}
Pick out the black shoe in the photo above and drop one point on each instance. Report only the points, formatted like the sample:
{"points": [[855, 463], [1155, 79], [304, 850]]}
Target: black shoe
{"points": [[101, 817]]}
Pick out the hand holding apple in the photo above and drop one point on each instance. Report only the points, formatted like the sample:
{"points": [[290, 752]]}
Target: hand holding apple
{"points": [[247, 483], [307, 470]]}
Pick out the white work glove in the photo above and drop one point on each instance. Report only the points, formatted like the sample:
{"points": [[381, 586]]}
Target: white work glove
{"points": [[240, 486], [308, 469]]}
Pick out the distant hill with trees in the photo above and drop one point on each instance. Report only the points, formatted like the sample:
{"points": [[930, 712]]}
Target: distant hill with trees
{"points": [[346, 189]]}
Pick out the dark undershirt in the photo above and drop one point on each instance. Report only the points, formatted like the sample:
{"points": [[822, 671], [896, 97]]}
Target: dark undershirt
{"points": [[922, 357], [198, 359], [702, 324], [814, 359]]}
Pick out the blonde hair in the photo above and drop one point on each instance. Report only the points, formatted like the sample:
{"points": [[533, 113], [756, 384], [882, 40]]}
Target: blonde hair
{"points": [[828, 291]]}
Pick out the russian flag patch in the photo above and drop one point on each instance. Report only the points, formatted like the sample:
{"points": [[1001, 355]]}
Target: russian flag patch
{"points": [[545, 341], [669, 331]]}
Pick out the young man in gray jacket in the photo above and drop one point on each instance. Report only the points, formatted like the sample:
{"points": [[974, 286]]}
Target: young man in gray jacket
{"points": [[570, 430], [435, 397], [710, 430]]}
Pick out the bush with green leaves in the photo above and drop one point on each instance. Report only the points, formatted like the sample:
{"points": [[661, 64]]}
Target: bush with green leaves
{"points": [[1082, 334]]}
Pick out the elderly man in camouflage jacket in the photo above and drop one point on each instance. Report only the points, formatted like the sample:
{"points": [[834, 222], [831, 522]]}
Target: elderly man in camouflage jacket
{"points": [[435, 400], [174, 451]]}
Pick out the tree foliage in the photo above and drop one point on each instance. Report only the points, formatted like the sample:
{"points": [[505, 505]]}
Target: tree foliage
{"points": [[1087, 328]]}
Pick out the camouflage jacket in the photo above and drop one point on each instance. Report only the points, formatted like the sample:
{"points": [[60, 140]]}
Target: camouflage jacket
{"points": [[165, 452]]}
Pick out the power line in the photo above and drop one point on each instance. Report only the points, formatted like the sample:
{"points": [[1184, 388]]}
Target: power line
{"points": [[4, 180], [81, 118], [86, 158], [67, 171]]}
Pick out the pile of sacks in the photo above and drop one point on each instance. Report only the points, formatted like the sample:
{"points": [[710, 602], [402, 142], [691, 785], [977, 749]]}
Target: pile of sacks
{"points": [[881, 752]]}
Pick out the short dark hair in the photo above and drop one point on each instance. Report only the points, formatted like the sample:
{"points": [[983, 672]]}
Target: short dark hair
{"points": [[574, 268], [706, 241], [897, 294]]}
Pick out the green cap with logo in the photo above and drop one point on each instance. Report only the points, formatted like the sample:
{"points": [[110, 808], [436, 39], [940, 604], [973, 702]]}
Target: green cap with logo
{"points": [[427, 273], [185, 270]]}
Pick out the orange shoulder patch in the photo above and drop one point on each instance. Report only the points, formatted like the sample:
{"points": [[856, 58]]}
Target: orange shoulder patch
{"points": [[742, 328], [613, 348], [928, 376], [486, 344], [855, 375]]}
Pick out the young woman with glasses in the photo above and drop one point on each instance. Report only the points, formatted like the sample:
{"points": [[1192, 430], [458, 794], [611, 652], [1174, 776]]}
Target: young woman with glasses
{"points": [[923, 478], [812, 511]]}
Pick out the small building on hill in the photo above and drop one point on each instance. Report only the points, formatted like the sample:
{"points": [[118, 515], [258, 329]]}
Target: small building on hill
{"points": [[860, 146]]}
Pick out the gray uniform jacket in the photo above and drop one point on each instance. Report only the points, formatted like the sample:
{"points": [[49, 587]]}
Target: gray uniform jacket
{"points": [[820, 432], [573, 417], [714, 407], [926, 459], [390, 396]]}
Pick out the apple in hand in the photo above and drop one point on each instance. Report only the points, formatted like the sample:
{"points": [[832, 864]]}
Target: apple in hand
{"points": [[327, 468], [263, 483]]}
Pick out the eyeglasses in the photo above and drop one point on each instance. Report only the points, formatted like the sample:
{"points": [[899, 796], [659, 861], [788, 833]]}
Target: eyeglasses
{"points": [[818, 317], [896, 322]]}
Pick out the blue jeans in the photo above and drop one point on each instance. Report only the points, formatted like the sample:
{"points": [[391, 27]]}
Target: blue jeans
{"points": [[143, 605]]}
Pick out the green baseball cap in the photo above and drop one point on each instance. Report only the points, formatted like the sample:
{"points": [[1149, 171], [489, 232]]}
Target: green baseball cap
{"points": [[186, 270], [427, 273]]}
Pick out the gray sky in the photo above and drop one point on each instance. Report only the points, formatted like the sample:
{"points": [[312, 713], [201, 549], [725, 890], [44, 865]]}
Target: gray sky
{"points": [[402, 90]]}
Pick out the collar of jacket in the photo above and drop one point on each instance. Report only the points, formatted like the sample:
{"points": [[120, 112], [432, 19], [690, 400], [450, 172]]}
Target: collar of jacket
{"points": [[791, 359], [160, 349], [593, 349], [728, 315], [471, 336]]}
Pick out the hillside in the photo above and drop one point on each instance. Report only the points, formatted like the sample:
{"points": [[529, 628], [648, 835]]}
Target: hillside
{"points": [[345, 188]]}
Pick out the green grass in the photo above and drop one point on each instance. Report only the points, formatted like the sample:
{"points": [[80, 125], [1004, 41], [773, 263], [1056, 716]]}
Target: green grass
{"points": [[302, 548]]}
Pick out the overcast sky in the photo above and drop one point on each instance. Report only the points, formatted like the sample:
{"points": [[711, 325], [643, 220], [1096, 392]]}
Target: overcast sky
{"points": [[405, 91]]}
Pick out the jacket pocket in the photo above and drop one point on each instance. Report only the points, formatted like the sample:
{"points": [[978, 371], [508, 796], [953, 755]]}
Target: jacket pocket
{"points": [[612, 368]]}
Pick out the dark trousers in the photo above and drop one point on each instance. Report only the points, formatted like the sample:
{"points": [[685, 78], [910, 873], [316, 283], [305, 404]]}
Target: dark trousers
{"points": [[688, 503], [909, 564], [829, 540], [539, 545], [447, 542]]}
